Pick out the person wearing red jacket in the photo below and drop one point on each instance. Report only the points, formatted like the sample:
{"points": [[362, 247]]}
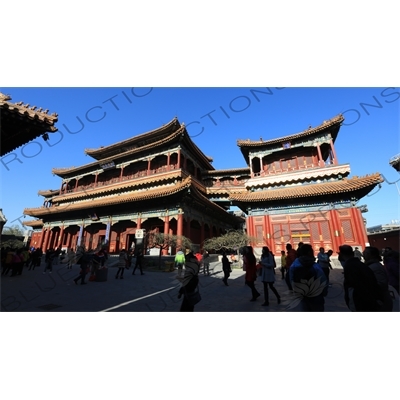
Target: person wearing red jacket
{"points": [[249, 264]]}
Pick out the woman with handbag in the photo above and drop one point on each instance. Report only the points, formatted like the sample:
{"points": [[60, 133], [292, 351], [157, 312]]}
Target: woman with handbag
{"points": [[249, 265], [190, 282], [268, 275]]}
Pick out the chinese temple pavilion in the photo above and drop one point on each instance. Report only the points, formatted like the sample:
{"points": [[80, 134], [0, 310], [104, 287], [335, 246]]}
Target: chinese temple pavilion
{"points": [[152, 181], [292, 190]]}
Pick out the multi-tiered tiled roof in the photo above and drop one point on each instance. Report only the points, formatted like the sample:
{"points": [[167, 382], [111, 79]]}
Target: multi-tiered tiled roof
{"points": [[355, 185], [330, 126], [21, 123]]}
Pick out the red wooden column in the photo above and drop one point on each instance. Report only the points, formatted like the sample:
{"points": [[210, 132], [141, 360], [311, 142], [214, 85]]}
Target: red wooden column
{"points": [[61, 236], [122, 240], [95, 241], [69, 240], [55, 241], [168, 161], [41, 239], [139, 223], [179, 229], [179, 158], [268, 234], [248, 225], [361, 235], [46, 239], [121, 174], [166, 231], [320, 160], [335, 160], [337, 233], [148, 166]]}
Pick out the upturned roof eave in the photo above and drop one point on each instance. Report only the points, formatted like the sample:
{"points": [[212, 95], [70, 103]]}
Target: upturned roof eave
{"points": [[352, 185], [326, 125], [101, 152]]}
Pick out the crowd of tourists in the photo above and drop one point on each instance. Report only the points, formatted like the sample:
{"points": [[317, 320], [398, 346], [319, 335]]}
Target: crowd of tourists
{"points": [[368, 275], [15, 259]]}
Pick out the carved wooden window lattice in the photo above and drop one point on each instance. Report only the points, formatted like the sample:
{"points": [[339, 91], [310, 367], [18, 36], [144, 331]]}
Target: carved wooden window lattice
{"points": [[326, 234], [259, 233], [314, 231], [347, 231]]}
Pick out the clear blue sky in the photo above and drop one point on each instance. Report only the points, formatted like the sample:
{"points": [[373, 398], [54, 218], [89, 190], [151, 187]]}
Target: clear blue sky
{"points": [[216, 119]]}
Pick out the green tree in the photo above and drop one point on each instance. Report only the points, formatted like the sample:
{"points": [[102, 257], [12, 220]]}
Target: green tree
{"points": [[13, 230], [164, 241], [13, 243], [232, 240]]}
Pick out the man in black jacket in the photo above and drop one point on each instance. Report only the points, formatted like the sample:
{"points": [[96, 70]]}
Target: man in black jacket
{"points": [[360, 285]]}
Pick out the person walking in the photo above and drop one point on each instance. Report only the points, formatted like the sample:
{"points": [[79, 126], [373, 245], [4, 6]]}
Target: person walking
{"points": [[139, 260], [226, 267], [308, 280], [17, 263], [283, 263], [122, 263], [33, 259], [206, 263], [8, 260], [50, 254], [179, 261], [190, 282], [291, 256], [372, 259], [361, 289], [392, 266], [70, 258], [83, 260], [268, 275], [129, 253], [358, 254], [324, 262], [249, 265]]}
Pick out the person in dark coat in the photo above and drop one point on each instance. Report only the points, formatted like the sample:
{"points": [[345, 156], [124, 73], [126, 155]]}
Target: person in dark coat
{"points": [[249, 264], [226, 267], [139, 261], [392, 266], [122, 263], [49, 258], [308, 280], [372, 260], [83, 260], [189, 281], [291, 255], [361, 289], [268, 275]]}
